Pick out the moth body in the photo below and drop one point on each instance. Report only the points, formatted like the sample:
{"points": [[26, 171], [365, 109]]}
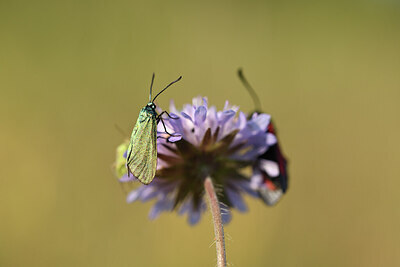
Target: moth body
{"points": [[141, 156]]}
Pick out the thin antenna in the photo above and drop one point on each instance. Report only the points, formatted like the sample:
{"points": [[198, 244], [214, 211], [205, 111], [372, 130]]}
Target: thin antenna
{"points": [[151, 86], [251, 91], [177, 80]]}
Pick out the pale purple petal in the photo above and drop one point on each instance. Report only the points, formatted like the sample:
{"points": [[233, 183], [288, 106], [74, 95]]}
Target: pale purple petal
{"points": [[176, 125], [200, 115], [226, 106], [197, 101], [194, 217], [186, 116], [188, 109], [174, 116], [236, 200], [262, 120], [162, 145], [257, 179], [134, 195], [212, 119], [174, 138], [149, 192], [164, 204], [225, 214], [205, 104], [186, 206], [125, 178], [241, 120], [226, 115], [245, 186], [172, 107]]}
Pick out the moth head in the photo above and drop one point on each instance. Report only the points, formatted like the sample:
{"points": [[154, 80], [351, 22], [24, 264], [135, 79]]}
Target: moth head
{"points": [[151, 105]]}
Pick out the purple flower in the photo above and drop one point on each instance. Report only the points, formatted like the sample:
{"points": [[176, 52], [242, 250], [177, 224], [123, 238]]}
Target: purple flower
{"points": [[211, 143]]}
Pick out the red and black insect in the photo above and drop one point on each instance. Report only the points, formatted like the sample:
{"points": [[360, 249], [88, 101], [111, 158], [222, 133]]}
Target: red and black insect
{"points": [[274, 184]]}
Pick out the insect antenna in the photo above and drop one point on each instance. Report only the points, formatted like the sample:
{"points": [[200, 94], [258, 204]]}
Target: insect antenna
{"points": [[177, 80], [250, 89], [151, 86]]}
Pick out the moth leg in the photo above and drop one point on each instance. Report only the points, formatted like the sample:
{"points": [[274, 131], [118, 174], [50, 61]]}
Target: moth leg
{"points": [[165, 128], [166, 112], [161, 119]]}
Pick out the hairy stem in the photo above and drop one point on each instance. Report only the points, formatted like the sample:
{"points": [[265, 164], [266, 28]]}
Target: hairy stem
{"points": [[217, 220]]}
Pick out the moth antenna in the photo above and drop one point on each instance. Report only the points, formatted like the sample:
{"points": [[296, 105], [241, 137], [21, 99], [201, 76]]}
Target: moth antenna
{"points": [[177, 80], [151, 86], [250, 89]]}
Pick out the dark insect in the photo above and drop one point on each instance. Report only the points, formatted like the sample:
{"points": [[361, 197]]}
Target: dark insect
{"points": [[272, 164]]}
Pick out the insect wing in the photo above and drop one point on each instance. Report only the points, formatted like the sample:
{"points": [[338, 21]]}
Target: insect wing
{"points": [[271, 196], [274, 171], [142, 151], [274, 153]]}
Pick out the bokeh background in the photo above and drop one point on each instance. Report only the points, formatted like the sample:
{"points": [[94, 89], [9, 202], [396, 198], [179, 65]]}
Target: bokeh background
{"points": [[327, 71]]}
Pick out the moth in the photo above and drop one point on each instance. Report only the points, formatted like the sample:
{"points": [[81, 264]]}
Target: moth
{"points": [[272, 163], [141, 159]]}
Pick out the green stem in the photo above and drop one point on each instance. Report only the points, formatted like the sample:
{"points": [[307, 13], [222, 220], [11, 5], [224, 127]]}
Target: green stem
{"points": [[217, 220]]}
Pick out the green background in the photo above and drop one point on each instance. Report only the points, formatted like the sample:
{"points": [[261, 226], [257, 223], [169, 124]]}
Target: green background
{"points": [[328, 72]]}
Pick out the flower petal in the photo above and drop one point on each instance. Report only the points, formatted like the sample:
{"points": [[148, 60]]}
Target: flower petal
{"points": [[186, 116], [174, 138], [164, 204], [172, 107], [149, 192], [262, 120], [194, 217], [134, 195], [225, 214], [236, 200], [125, 178], [205, 103], [197, 101], [200, 115], [226, 115], [257, 179], [246, 186]]}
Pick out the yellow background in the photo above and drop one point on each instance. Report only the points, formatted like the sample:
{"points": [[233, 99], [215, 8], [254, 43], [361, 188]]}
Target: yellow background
{"points": [[328, 72]]}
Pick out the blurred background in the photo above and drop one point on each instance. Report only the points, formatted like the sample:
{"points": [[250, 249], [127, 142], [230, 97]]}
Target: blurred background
{"points": [[328, 72]]}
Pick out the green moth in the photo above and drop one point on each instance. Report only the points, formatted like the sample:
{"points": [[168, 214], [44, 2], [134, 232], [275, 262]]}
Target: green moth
{"points": [[141, 159]]}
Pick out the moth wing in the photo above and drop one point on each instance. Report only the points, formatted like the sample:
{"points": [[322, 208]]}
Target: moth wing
{"points": [[142, 152], [270, 197], [271, 190]]}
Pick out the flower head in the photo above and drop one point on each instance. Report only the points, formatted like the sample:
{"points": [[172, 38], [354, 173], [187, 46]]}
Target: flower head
{"points": [[216, 144]]}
